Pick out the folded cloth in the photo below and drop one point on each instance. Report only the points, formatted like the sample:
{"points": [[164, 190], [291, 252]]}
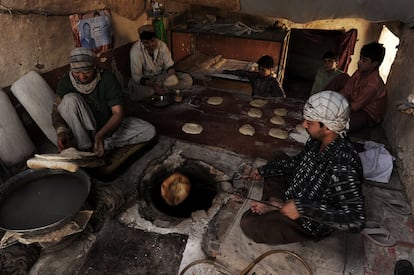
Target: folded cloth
{"points": [[377, 162]]}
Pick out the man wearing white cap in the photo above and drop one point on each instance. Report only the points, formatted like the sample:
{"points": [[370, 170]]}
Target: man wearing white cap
{"points": [[152, 67], [319, 189], [88, 112]]}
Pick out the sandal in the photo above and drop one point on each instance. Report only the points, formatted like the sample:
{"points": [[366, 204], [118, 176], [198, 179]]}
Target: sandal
{"points": [[403, 267], [379, 235], [392, 200]]}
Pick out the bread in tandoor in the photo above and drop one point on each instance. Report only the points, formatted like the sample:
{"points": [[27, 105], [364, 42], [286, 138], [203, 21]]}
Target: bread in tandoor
{"points": [[175, 189]]}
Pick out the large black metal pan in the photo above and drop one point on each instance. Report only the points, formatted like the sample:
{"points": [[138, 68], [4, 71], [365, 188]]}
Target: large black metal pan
{"points": [[38, 201]]}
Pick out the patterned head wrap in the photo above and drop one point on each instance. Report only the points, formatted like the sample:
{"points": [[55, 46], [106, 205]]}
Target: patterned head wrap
{"points": [[330, 108], [81, 60]]}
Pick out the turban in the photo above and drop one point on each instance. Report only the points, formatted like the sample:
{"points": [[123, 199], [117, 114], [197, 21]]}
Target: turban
{"points": [[330, 108], [81, 60]]}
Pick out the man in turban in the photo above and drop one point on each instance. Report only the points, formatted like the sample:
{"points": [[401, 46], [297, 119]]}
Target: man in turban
{"points": [[316, 191], [88, 112]]}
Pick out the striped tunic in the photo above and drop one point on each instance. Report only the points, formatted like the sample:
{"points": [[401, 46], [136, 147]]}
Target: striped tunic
{"points": [[326, 186]]}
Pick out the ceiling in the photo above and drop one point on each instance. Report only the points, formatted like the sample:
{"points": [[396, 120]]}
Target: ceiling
{"points": [[303, 11]]}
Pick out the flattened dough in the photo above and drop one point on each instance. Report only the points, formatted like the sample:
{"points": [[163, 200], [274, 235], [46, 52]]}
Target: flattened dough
{"points": [[280, 111], [300, 129], [192, 128], [215, 100], [254, 112], [247, 130], [170, 81], [258, 103], [278, 133], [278, 120]]}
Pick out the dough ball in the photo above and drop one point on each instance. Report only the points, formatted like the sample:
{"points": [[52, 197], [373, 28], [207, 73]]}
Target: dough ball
{"points": [[170, 81], [192, 128], [254, 112], [300, 129], [258, 103], [280, 111], [215, 100], [278, 133], [175, 189], [247, 130], [278, 120]]}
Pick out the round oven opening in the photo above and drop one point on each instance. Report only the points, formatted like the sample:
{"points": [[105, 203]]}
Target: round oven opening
{"points": [[200, 197]]}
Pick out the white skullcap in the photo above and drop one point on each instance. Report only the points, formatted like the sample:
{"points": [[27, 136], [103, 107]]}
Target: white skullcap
{"points": [[330, 108]]}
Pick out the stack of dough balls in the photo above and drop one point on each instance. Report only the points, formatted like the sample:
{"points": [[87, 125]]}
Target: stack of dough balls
{"points": [[175, 189]]}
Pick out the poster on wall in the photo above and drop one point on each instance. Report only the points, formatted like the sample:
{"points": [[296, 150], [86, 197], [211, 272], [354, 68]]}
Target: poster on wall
{"points": [[93, 30]]}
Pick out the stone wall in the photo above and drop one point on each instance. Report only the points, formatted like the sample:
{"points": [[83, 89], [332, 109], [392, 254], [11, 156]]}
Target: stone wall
{"points": [[400, 126], [42, 43]]}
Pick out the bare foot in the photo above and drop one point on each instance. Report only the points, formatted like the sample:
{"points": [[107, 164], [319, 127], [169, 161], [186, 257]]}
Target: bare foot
{"points": [[265, 207]]}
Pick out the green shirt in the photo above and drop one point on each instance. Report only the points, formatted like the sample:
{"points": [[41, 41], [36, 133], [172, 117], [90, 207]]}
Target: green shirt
{"points": [[107, 93], [322, 79]]}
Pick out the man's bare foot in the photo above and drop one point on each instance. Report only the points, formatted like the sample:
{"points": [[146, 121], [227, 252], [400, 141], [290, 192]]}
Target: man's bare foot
{"points": [[265, 207]]}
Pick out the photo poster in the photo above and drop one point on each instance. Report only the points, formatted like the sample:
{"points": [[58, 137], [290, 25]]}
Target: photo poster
{"points": [[93, 30]]}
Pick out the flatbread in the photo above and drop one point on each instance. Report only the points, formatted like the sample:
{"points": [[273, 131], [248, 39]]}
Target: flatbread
{"points": [[215, 100], [258, 103], [247, 130], [171, 81], [209, 62], [192, 128], [278, 120], [280, 111], [175, 188], [254, 112], [278, 133], [70, 153]]}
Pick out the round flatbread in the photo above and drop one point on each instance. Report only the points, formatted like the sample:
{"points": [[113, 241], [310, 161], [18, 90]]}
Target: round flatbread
{"points": [[175, 189], [254, 112], [192, 128], [247, 130], [278, 133], [258, 103], [171, 81], [278, 120], [280, 111], [215, 100]]}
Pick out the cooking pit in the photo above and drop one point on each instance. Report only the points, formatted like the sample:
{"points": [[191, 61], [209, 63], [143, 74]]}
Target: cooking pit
{"points": [[204, 182], [202, 190]]}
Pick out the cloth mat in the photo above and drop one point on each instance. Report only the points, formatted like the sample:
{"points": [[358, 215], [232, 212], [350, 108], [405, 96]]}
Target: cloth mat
{"points": [[122, 250]]}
